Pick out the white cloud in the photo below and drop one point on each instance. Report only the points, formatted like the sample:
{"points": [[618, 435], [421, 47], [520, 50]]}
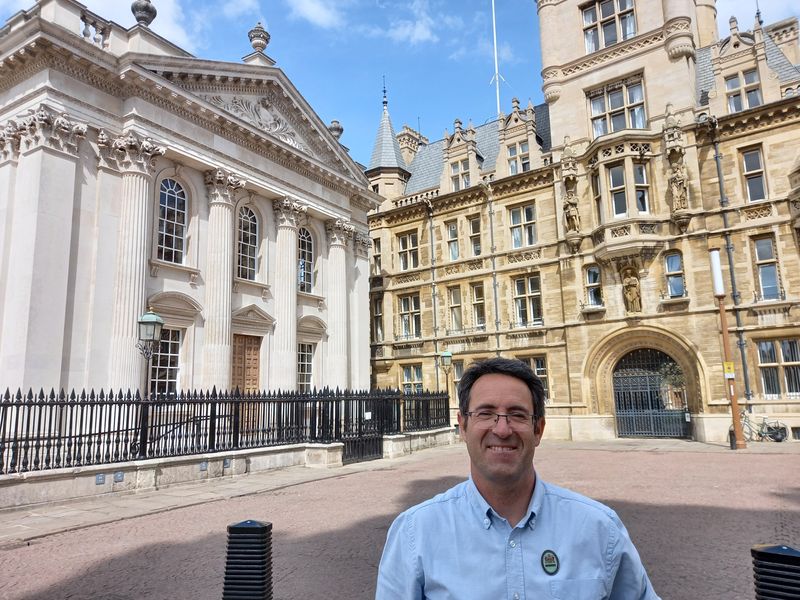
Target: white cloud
{"points": [[418, 29], [237, 8], [317, 12], [771, 11]]}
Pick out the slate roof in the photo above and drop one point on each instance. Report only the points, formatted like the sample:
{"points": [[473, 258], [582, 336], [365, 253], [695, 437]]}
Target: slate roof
{"points": [[777, 61], [386, 151], [426, 168]]}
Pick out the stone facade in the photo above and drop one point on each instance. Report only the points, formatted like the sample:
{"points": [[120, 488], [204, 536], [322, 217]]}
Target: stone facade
{"points": [[133, 176], [590, 257]]}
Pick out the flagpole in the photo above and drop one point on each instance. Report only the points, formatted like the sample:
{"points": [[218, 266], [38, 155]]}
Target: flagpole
{"points": [[496, 70]]}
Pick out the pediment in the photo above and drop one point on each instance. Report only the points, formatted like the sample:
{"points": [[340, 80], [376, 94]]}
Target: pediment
{"points": [[254, 317]]}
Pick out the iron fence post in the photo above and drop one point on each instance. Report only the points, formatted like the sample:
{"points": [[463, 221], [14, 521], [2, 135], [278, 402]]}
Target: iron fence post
{"points": [[212, 426], [144, 417], [236, 417]]}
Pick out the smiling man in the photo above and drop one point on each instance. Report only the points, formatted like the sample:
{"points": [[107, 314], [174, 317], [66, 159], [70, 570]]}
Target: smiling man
{"points": [[505, 533]]}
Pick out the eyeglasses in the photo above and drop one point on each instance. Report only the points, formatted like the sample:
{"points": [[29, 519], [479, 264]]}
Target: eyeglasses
{"points": [[486, 419]]}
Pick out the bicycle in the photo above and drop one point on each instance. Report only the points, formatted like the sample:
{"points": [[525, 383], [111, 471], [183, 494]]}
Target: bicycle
{"points": [[774, 431]]}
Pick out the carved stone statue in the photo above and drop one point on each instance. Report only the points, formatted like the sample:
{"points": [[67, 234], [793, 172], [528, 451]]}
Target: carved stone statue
{"points": [[631, 291], [677, 186], [571, 213]]}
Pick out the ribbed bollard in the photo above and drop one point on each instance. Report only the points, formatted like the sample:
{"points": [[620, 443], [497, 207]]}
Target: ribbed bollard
{"points": [[248, 565], [776, 570]]}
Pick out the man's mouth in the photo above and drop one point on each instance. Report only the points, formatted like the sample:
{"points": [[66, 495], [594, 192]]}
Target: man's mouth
{"points": [[502, 448]]}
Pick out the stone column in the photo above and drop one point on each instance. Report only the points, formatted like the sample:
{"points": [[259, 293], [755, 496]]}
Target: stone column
{"points": [[221, 188], [10, 136], [288, 215], [339, 232], [359, 311], [135, 158]]}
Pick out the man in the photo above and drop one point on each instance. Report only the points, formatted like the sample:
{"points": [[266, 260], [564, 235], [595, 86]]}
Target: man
{"points": [[505, 533]]}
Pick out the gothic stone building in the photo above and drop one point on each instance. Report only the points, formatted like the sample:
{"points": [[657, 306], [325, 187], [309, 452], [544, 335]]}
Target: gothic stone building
{"points": [[134, 175], [576, 235]]}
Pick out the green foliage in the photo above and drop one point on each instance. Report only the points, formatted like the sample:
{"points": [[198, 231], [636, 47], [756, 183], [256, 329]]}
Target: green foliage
{"points": [[672, 375]]}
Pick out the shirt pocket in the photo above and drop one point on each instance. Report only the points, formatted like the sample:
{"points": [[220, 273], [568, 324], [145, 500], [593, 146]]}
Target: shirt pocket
{"points": [[578, 589]]}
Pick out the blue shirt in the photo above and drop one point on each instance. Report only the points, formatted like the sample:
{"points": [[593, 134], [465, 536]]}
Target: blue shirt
{"points": [[454, 546]]}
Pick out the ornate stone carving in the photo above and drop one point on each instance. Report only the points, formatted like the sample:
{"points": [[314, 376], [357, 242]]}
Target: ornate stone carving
{"points": [[673, 135], [259, 37], [362, 245], [524, 256], [288, 212], [339, 231], [128, 152], [42, 126], [677, 176], [10, 139], [144, 12], [678, 36], [631, 291], [222, 185]]}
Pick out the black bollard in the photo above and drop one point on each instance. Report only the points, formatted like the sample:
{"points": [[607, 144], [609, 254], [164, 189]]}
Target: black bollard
{"points": [[248, 565], [776, 570]]}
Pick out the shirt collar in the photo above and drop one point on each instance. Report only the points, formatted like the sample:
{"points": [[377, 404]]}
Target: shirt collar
{"points": [[485, 513]]}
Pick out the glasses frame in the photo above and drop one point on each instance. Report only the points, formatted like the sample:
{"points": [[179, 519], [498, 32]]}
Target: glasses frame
{"points": [[489, 424]]}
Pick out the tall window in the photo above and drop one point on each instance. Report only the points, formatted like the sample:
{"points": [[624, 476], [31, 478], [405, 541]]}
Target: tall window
{"points": [[165, 362], [616, 107], [642, 187], [743, 91], [779, 364], [305, 260], [523, 226], [478, 306], [376, 256], [452, 239], [247, 251], [596, 196], [454, 298], [753, 169], [171, 221], [673, 271], [412, 379], [377, 319], [408, 253], [539, 366], [458, 373], [616, 185], [410, 323], [767, 268], [519, 160], [305, 357], [607, 22], [528, 301], [594, 288], [475, 235], [459, 174]]}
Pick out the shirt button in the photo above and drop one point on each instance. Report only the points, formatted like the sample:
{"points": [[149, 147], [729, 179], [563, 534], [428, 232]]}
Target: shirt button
{"points": [[513, 544], [487, 522], [516, 596]]}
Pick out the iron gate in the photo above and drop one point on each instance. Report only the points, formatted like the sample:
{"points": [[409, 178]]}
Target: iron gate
{"points": [[646, 403], [362, 429]]}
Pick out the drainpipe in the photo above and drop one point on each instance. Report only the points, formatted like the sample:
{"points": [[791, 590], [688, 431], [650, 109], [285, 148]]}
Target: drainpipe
{"points": [[712, 124], [487, 187], [429, 204]]}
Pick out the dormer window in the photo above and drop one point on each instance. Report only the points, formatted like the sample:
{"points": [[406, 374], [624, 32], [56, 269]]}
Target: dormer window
{"points": [[518, 158], [743, 90], [607, 22], [459, 175]]}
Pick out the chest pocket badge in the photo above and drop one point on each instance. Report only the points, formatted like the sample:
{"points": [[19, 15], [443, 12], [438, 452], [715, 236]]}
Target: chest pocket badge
{"points": [[550, 562]]}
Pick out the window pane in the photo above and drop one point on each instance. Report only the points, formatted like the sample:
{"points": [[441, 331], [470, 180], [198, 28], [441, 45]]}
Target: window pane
{"points": [[598, 105], [523, 147], [475, 225], [792, 379], [617, 175], [766, 352], [641, 200], [640, 174], [516, 216], [593, 275], [790, 350], [625, 4], [752, 160], [453, 250], [637, 117], [732, 83], [530, 231], [589, 15], [599, 127], [750, 77], [755, 188], [616, 99], [534, 285], [512, 150], [635, 94], [753, 98], [519, 287], [764, 250], [735, 103], [628, 25], [607, 8], [769, 378], [768, 274], [675, 283], [516, 237], [530, 212], [610, 32], [673, 263], [618, 121], [620, 207]]}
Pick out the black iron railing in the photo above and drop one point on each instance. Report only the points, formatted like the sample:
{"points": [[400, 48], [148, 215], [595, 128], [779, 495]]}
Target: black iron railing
{"points": [[40, 431]]}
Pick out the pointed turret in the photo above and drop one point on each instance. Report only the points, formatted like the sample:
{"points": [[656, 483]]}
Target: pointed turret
{"points": [[387, 170]]}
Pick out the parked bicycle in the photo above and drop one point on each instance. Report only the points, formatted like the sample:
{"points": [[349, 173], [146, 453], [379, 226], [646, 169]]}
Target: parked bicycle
{"points": [[763, 430]]}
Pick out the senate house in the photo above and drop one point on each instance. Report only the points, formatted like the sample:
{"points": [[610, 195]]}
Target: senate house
{"points": [[578, 235]]}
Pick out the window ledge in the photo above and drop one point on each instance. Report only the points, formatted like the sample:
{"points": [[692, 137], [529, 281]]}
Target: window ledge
{"points": [[192, 273], [239, 283], [309, 298], [770, 306], [675, 301], [590, 309]]}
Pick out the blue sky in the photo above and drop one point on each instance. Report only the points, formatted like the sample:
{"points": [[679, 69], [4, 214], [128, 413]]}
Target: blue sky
{"points": [[436, 54]]}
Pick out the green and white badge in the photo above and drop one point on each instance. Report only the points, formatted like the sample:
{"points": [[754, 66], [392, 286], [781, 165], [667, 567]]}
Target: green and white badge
{"points": [[550, 562]]}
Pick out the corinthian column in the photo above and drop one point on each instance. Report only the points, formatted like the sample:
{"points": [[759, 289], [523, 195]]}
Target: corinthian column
{"points": [[135, 158], [284, 365], [359, 307], [339, 232], [221, 188]]}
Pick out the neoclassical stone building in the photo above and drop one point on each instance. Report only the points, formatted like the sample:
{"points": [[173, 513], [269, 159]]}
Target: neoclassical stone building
{"points": [[576, 235], [134, 175]]}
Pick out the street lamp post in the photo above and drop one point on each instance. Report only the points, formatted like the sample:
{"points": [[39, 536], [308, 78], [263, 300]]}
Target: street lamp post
{"points": [[446, 362], [719, 292], [150, 325]]}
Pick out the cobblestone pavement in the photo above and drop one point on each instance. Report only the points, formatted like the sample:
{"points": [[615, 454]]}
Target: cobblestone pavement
{"points": [[693, 511]]}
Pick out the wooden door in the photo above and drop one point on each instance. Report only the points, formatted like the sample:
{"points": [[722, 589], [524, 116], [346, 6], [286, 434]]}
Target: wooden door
{"points": [[246, 350]]}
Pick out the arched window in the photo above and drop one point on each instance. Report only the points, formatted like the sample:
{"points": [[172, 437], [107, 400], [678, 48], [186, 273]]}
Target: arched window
{"points": [[247, 251], [172, 222], [305, 260]]}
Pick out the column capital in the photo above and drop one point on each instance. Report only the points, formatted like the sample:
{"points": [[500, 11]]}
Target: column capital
{"points": [[339, 231], [363, 243], [222, 185], [289, 212], [128, 153], [10, 139], [43, 127]]}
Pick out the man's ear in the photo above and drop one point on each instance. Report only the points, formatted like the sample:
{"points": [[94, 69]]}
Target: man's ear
{"points": [[462, 425], [538, 429]]}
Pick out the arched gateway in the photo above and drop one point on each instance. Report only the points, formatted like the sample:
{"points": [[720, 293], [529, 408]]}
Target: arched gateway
{"points": [[650, 396]]}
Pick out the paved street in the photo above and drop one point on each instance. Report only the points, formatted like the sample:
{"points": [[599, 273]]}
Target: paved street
{"points": [[693, 510]]}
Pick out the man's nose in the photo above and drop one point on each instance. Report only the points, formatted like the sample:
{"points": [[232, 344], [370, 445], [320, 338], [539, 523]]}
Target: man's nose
{"points": [[502, 426]]}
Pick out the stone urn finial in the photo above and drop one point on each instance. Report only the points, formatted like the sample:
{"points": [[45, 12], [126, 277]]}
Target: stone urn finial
{"points": [[144, 12], [336, 129], [259, 37]]}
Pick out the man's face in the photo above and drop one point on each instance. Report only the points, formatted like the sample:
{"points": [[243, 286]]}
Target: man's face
{"points": [[501, 454]]}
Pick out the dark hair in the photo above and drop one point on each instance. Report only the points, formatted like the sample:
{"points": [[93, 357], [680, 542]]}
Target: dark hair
{"points": [[503, 366]]}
